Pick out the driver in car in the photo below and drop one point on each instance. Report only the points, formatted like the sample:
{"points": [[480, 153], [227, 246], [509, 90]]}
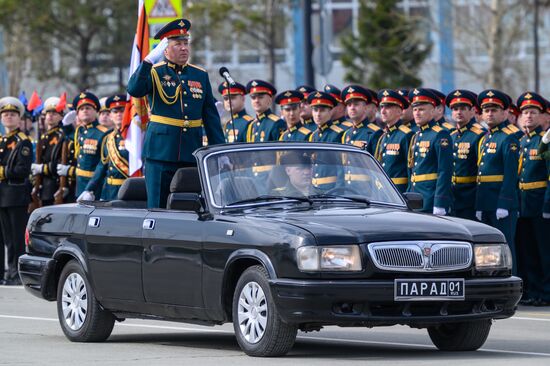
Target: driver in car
{"points": [[298, 169]]}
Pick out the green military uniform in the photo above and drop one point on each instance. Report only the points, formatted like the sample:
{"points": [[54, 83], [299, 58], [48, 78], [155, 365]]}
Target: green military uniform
{"points": [[292, 98], [236, 127]]}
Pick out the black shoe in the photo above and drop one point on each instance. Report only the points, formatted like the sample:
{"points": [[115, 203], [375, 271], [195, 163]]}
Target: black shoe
{"points": [[541, 302], [527, 302]]}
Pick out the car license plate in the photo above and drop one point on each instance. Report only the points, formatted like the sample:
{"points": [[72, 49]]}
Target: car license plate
{"points": [[429, 289]]}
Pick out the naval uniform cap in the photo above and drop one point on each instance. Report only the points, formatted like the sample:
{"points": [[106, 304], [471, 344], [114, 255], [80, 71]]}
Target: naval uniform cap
{"points": [[50, 104], [12, 104]]}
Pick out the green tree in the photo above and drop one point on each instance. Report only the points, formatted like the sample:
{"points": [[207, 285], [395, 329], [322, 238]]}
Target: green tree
{"points": [[389, 49]]}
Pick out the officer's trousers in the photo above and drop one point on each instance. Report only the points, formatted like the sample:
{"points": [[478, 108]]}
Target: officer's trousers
{"points": [[13, 221], [466, 213], [158, 175], [507, 226]]}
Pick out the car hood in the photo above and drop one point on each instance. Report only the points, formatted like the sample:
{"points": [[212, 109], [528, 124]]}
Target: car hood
{"points": [[352, 226]]}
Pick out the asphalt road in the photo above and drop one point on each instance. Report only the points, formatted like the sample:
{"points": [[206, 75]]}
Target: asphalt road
{"points": [[30, 335]]}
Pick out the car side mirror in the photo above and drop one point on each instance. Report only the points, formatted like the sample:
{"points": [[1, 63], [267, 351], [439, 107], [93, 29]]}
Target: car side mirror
{"points": [[414, 200], [185, 202]]}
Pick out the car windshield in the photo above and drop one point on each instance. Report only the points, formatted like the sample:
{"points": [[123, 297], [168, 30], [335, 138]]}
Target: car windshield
{"points": [[273, 175]]}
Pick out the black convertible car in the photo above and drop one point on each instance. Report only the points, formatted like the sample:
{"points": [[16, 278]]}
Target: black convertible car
{"points": [[275, 238]]}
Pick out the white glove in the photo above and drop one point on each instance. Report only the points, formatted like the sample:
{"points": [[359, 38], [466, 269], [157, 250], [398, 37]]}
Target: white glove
{"points": [[69, 118], [157, 53], [546, 137], [86, 196], [546, 215], [37, 168], [219, 108], [478, 215], [63, 170], [439, 211], [502, 213]]}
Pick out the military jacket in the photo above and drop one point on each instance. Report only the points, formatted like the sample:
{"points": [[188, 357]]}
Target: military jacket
{"points": [[241, 120], [467, 143], [430, 163], [446, 125], [498, 171], [327, 133], [515, 130], [295, 133], [181, 102], [365, 136], [534, 177], [52, 145], [327, 173], [87, 141], [392, 153], [265, 127], [310, 124], [343, 123], [410, 124], [15, 168]]}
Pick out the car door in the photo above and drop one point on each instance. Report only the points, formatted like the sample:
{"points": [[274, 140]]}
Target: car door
{"points": [[115, 251], [172, 261]]}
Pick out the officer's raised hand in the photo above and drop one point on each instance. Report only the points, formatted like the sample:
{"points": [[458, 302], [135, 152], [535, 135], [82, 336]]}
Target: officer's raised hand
{"points": [[157, 53], [69, 118], [63, 170]]}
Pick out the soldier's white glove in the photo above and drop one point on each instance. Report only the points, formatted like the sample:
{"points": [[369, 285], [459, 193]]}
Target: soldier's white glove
{"points": [[502, 213], [63, 170], [37, 168], [478, 215], [439, 211], [546, 137], [69, 118], [157, 53], [546, 215], [86, 196]]}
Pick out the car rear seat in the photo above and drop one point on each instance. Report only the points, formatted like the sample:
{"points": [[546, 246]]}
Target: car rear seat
{"points": [[186, 180], [132, 194]]}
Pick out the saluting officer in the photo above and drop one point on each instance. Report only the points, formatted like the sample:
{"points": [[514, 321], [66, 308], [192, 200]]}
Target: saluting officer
{"points": [[305, 114], [267, 126], [235, 130], [338, 116], [533, 229], [392, 150], [364, 133], [497, 196], [15, 168], [181, 100], [290, 102], [467, 140], [113, 169], [439, 113], [430, 155]]}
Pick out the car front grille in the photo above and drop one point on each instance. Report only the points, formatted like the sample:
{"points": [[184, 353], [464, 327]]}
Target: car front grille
{"points": [[421, 256]]}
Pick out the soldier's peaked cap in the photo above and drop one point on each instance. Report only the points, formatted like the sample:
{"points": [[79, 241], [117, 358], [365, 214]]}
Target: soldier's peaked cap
{"points": [[260, 87], [178, 28], [493, 97], [86, 98]]}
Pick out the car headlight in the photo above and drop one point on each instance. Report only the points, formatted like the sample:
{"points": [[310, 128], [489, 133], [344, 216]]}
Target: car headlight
{"points": [[493, 256], [339, 258]]}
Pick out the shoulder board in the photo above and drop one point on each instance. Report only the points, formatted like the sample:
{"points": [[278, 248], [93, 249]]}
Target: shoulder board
{"points": [[507, 131], [404, 129], [247, 118], [304, 131], [347, 123], [273, 117], [476, 130], [22, 136], [102, 128], [336, 129], [454, 132], [437, 128], [159, 64], [513, 128], [196, 67], [542, 133], [373, 127], [448, 126]]}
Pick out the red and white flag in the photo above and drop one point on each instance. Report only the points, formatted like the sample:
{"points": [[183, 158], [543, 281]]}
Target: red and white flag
{"points": [[136, 115]]}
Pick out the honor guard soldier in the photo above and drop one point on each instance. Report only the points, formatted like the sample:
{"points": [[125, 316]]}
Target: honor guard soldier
{"points": [[513, 116], [15, 168], [467, 139], [497, 196], [407, 118], [533, 229], [290, 102], [430, 155], [325, 173], [104, 115], [305, 114], [266, 126], [113, 169], [364, 133], [339, 111], [181, 100], [440, 111], [393, 147], [235, 129]]}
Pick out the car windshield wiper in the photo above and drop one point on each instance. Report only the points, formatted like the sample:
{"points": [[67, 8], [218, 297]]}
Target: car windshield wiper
{"points": [[267, 198], [337, 197]]}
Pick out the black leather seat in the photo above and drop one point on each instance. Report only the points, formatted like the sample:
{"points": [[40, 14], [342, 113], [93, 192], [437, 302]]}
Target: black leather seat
{"points": [[132, 194], [186, 180]]}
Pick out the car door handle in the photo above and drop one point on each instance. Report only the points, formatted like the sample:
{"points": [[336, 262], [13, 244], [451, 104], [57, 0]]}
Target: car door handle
{"points": [[94, 221], [148, 224]]}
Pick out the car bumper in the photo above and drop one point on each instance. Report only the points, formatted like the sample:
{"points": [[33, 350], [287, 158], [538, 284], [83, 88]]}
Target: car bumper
{"points": [[371, 303], [37, 275]]}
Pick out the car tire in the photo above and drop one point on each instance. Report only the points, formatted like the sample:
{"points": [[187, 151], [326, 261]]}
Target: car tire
{"points": [[81, 317], [259, 329], [467, 336]]}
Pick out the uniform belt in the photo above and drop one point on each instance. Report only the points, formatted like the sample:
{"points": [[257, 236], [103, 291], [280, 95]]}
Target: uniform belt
{"points": [[490, 178], [423, 177], [262, 168], [324, 180], [533, 185], [84, 173], [115, 181], [464, 180], [360, 177], [403, 180], [183, 123]]}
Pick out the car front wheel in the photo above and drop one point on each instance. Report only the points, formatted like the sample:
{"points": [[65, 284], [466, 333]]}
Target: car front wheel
{"points": [[467, 336], [80, 315], [259, 329]]}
